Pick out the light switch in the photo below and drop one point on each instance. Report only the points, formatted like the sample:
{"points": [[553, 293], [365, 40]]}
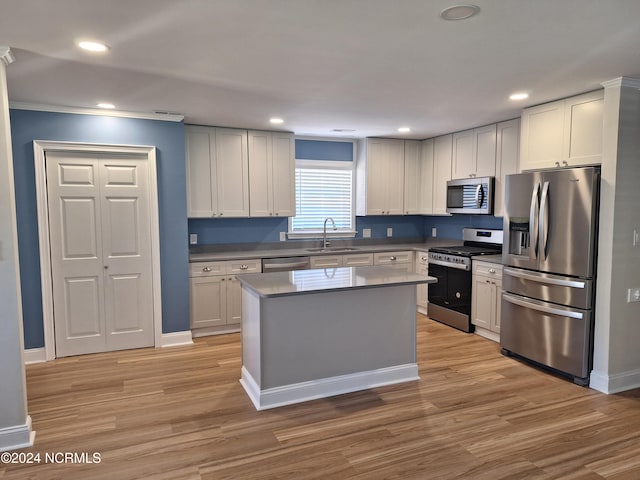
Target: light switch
{"points": [[389, 232], [193, 239], [633, 295], [283, 236], [434, 232], [636, 238]]}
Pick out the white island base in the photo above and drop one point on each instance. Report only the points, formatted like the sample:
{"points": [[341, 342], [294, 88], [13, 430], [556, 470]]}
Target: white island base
{"points": [[317, 333]]}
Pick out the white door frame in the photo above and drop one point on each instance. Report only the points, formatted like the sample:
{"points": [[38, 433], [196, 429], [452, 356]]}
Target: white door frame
{"points": [[40, 148]]}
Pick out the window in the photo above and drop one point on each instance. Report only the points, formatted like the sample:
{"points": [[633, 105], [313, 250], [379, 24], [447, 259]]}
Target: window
{"points": [[323, 191]]}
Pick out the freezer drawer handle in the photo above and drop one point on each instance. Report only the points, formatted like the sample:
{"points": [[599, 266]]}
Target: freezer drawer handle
{"points": [[541, 308], [550, 281]]}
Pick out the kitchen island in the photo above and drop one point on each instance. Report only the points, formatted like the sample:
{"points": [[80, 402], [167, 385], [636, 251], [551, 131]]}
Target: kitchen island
{"points": [[309, 334]]}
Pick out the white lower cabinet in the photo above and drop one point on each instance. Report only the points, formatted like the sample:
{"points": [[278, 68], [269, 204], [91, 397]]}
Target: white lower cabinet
{"points": [[486, 297], [216, 295], [334, 261], [422, 268]]}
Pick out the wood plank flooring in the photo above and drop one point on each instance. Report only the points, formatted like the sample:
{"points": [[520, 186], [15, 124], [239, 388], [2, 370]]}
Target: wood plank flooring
{"points": [[180, 413]]}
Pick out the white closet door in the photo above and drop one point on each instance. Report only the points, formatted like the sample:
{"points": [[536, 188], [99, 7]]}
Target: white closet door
{"points": [[100, 252], [126, 253]]}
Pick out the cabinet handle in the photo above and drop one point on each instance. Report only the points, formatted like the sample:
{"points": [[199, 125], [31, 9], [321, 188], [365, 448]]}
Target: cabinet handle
{"points": [[492, 270], [393, 259], [423, 258], [206, 269], [222, 279], [270, 214], [557, 164], [565, 163], [221, 214], [244, 267], [230, 279], [276, 214]]}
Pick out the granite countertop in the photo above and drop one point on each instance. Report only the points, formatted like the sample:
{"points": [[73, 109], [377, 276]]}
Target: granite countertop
{"points": [[488, 259], [297, 282], [241, 251]]}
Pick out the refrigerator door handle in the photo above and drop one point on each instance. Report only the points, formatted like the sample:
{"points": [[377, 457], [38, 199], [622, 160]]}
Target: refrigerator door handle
{"points": [[544, 221], [534, 305], [547, 280], [533, 221]]}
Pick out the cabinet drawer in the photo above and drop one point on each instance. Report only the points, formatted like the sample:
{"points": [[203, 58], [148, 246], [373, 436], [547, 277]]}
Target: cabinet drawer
{"points": [[391, 258], [422, 258], [357, 259], [244, 266], [206, 269], [326, 261], [488, 269]]}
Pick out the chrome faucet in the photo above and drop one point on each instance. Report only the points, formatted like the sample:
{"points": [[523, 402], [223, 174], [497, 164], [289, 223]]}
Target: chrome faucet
{"points": [[324, 235]]}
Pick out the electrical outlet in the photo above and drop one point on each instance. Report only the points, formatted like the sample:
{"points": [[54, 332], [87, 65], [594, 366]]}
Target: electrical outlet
{"points": [[193, 239], [633, 295], [389, 232], [366, 233], [283, 236], [636, 238], [434, 232]]}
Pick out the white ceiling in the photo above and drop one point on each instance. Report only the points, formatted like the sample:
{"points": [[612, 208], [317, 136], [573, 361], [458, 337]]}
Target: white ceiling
{"points": [[367, 65]]}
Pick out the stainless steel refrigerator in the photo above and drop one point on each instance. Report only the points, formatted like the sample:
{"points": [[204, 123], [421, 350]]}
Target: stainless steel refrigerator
{"points": [[549, 256]]}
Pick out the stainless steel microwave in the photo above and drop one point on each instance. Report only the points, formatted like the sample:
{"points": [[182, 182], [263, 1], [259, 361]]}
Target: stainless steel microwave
{"points": [[471, 195]]}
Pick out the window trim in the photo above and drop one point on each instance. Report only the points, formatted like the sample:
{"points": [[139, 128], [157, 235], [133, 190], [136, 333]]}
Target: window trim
{"points": [[333, 165]]}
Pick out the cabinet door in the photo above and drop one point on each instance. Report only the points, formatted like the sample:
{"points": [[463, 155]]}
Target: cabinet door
{"points": [[482, 303], [326, 261], [542, 136], [208, 301], [507, 151], [395, 177], [412, 177], [441, 173], [232, 172], [376, 173], [426, 177], [423, 288], [260, 174], [583, 124], [463, 154], [234, 301], [497, 298], [485, 152], [284, 170], [199, 171]]}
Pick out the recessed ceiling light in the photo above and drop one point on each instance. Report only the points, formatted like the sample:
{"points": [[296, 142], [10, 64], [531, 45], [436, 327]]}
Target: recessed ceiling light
{"points": [[276, 120], [343, 130], [404, 129], [91, 46], [518, 96], [459, 12], [106, 105]]}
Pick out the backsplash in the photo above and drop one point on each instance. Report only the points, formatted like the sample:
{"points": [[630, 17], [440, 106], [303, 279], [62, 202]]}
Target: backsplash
{"points": [[213, 231]]}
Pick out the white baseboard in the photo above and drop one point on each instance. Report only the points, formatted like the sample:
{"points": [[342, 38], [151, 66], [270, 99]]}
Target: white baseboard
{"points": [[488, 334], [34, 355], [207, 331], [618, 382], [176, 339], [18, 436], [325, 387]]}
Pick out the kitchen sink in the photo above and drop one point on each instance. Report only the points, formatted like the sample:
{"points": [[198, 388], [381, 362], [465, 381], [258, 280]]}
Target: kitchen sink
{"points": [[332, 249]]}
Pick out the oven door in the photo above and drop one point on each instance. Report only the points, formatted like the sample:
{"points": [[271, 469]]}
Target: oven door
{"points": [[453, 289]]}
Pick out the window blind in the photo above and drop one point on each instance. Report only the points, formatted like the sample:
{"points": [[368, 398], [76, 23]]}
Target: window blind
{"points": [[322, 193]]}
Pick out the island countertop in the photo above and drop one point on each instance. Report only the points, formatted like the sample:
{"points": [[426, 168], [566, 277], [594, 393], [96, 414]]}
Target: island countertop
{"points": [[274, 284]]}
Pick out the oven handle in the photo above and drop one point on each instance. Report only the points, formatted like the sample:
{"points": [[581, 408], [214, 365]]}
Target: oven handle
{"points": [[459, 266], [533, 305]]}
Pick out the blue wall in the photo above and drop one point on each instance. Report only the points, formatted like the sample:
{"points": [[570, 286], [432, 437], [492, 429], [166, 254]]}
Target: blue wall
{"points": [[168, 137], [451, 227]]}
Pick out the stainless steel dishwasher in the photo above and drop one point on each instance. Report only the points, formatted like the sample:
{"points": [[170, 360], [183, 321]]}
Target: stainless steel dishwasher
{"points": [[285, 264]]}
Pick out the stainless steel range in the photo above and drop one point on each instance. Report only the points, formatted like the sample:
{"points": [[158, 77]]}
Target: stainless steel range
{"points": [[450, 298]]}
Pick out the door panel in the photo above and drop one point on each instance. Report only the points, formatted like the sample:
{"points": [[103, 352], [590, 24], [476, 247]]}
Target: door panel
{"points": [[79, 228], [82, 305], [568, 212], [126, 310], [123, 218]]}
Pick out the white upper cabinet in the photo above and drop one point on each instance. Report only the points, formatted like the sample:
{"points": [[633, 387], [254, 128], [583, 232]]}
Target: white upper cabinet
{"points": [[474, 153], [426, 176], [380, 177], [507, 152], [442, 149], [412, 178], [563, 133], [271, 174], [217, 172]]}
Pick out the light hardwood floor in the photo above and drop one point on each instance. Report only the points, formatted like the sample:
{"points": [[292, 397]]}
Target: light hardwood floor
{"points": [[180, 413]]}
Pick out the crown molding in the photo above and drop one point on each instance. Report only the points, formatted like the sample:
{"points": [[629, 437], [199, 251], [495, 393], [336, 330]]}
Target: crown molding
{"points": [[166, 117], [6, 56], [622, 82]]}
